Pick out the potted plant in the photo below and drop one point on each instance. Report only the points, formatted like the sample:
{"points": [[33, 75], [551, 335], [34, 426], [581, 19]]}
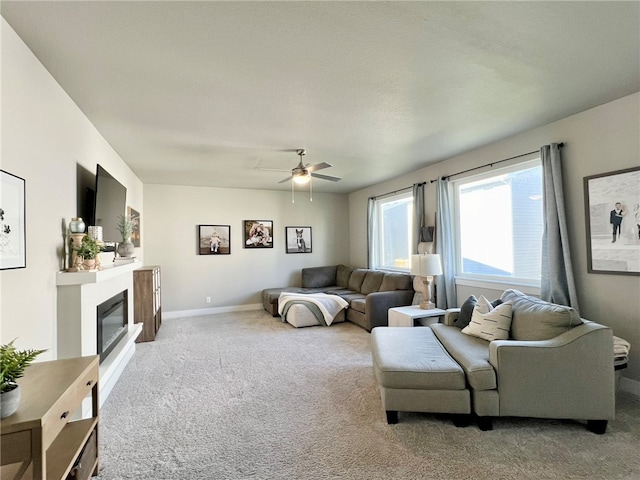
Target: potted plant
{"points": [[88, 250], [13, 362], [125, 226]]}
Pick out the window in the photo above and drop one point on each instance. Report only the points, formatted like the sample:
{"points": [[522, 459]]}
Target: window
{"points": [[392, 223], [499, 224]]}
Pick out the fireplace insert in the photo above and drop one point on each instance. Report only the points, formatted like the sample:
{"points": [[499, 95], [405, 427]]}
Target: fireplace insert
{"points": [[112, 323]]}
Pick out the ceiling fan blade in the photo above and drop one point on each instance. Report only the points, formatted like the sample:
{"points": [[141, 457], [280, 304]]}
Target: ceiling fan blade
{"points": [[265, 169], [286, 179], [326, 177], [318, 166]]}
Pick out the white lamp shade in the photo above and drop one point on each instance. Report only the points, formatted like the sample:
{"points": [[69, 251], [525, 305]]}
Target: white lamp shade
{"points": [[426, 265]]}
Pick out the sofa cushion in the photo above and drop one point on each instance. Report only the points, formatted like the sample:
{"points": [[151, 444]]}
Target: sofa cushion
{"points": [[372, 281], [488, 322], [395, 281], [359, 304], [472, 353], [466, 310], [342, 275], [318, 277], [535, 319], [353, 296], [356, 279]]}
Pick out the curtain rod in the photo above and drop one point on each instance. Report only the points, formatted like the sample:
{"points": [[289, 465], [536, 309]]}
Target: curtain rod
{"points": [[395, 191], [560, 145]]}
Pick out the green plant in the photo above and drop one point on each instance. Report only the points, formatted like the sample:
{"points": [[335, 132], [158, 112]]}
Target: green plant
{"points": [[88, 249], [13, 363], [125, 227]]}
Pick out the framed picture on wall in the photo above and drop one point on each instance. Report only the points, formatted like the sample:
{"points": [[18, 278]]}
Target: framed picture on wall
{"points": [[214, 239], [12, 222], [135, 217], [612, 209], [258, 234], [298, 239]]}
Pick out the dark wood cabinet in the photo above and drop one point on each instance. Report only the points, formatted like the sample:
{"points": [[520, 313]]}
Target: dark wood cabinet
{"points": [[147, 305]]}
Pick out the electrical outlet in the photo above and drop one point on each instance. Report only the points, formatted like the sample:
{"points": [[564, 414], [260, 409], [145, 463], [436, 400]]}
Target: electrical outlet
{"points": [[207, 300]]}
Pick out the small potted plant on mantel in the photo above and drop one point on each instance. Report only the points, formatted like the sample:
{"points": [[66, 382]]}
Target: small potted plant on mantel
{"points": [[125, 227], [87, 253], [13, 363]]}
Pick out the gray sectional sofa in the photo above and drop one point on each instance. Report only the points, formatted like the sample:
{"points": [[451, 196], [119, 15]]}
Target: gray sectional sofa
{"points": [[370, 293], [553, 365]]}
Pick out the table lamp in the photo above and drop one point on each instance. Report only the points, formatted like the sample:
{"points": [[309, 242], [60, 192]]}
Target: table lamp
{"points": [[426, 266]]}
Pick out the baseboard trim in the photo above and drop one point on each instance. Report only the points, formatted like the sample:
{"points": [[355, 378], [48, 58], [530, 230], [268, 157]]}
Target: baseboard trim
{"points": [[211, 311], [630, 386]]}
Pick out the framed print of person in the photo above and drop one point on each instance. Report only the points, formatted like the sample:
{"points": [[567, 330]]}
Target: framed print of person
{"points": [[612, 208], [298, 239], [214, 239], [258, 234]]}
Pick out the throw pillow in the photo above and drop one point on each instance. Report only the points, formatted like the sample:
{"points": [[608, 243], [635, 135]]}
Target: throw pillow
{"points": [[464, 317], [490, 325]]}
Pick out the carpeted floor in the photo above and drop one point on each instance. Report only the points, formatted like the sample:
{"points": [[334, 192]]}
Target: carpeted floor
{"points": [[244, 396]]}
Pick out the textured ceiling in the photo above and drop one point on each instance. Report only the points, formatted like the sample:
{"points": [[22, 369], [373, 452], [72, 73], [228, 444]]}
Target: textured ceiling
{"points": [[200, 93]]}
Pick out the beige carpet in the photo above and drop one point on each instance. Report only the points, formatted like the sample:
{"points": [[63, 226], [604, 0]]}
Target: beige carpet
{"points": [[244, 396]]}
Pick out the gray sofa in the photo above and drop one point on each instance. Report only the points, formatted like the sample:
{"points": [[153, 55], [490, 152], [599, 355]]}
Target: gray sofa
{"points": [[370, 293], [554, 365]]}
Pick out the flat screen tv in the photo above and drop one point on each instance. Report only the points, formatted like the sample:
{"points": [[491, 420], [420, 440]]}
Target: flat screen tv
{"points": [[110, 203]]}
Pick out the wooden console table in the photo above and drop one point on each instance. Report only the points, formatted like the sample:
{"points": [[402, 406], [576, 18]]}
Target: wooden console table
{"points": [[41, 441]]}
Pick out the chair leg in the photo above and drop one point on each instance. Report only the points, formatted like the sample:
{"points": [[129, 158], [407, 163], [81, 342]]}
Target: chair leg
{"points": [[597, 426], [392, 417], [485, 423]]}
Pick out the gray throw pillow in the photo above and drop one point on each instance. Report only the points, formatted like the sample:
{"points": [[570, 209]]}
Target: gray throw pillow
{"points": [[464, 317]]}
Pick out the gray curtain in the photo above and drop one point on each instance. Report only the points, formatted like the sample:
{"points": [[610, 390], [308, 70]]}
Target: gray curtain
{"points": [[370, 232], [418, 214], [445, 283], [557, 284]]}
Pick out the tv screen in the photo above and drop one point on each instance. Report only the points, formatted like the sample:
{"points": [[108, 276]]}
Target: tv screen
{"points": [[110, 203]]}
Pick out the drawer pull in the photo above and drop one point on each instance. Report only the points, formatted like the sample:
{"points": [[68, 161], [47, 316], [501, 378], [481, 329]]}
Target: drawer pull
{"points": [[89, 383], [65, 414]]}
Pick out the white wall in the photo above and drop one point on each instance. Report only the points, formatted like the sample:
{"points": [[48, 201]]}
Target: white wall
{"points": [[599, 140], [172, 216], [49, 142]]}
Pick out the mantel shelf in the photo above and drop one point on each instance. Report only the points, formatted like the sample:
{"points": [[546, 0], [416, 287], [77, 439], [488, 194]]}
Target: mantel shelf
{"points": [[96, 276]]}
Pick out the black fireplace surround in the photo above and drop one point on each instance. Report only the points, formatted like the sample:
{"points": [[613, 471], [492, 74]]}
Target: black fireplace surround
{"points": [[112, 320]]}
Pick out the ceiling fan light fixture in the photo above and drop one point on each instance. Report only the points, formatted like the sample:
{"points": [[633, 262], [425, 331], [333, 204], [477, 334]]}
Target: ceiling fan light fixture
{"points": [[302, 178]]}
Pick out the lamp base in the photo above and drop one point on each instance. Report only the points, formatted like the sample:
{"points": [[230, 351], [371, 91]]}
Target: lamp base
{"points": [[427, 305]]}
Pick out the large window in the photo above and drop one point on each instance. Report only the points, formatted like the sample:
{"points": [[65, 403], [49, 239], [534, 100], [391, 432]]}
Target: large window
{"points": [[391, 242], [499, 225]]}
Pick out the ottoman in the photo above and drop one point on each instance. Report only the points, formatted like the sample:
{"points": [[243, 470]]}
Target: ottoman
{"points": [[415, 373], [301, 316]]}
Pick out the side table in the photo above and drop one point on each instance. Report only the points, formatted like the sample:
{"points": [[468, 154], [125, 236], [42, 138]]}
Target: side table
{"points": [[406, 316]]}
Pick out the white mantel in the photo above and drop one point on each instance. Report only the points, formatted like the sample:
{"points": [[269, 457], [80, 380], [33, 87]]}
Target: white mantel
{"points": [[79, 294]]}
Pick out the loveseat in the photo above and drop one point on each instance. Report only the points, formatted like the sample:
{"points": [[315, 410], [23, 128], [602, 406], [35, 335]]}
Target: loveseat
{"points": [[553, 364], [370, 293]]}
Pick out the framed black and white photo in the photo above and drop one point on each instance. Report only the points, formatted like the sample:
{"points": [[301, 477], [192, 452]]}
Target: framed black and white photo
{"points": [[258, 234], [612, 207], [298, 239], [214, 239], [12, 222]]}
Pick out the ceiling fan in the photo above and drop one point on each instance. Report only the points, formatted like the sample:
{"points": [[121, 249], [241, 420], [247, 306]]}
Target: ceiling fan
{"points": [[302, 173]]}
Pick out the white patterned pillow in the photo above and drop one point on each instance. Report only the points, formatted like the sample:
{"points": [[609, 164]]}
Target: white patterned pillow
{"points": [[490, 323]]}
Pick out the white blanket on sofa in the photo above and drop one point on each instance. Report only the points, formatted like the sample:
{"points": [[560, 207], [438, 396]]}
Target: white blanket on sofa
{"points": [[329, 305]]}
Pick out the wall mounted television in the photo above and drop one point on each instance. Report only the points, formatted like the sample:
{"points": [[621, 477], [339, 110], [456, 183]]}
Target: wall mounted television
{"points": [[110, 203]]}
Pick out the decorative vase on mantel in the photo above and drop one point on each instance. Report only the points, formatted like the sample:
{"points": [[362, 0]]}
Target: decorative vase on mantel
{"points": [[126, 249]]}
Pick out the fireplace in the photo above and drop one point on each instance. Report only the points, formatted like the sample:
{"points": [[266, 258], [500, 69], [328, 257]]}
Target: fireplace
{"points": [[112, 320]]}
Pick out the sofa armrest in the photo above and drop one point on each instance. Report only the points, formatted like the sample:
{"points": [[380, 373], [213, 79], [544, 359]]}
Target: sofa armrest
{"points": [[568, 376], [451, 315], [377, 305]]}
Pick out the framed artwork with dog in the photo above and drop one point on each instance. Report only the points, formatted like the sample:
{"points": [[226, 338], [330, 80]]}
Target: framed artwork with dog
{"points": [[298, 239], [258, 234], [214, 239]]}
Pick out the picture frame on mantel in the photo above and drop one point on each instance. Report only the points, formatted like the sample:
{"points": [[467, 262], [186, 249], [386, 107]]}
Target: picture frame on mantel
{"points": [[134, 215], [612, 211], [12, 222]]}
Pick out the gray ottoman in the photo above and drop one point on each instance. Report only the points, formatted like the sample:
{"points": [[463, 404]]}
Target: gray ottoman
{"points": [[416, 374]]}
